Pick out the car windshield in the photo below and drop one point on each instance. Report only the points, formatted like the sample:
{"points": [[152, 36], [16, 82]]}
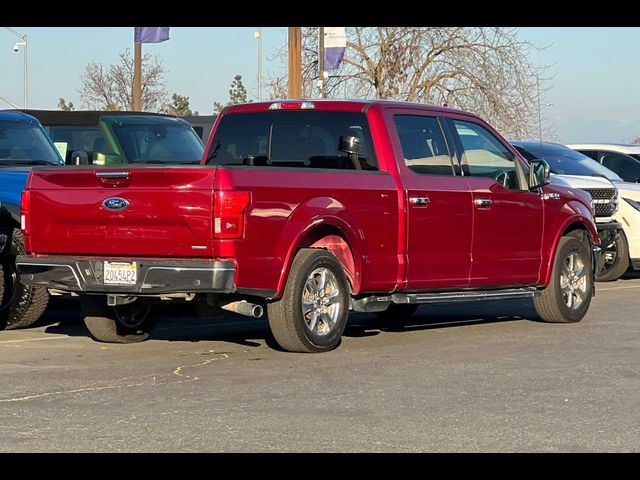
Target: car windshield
{"points": [[159, 143], [24, 143], [565, 161]]}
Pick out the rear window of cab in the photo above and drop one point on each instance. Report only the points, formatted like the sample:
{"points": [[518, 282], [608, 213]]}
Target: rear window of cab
{"points": [[294, 139]]}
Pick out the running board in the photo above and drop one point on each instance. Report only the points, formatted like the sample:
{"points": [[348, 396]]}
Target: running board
{"points": [[379, 303]]}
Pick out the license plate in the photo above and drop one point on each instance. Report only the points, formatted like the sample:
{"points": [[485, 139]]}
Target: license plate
{"points": [[120, 273]]}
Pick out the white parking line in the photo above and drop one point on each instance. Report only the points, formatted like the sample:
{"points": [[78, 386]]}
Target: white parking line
{"points": [[616, 288]]}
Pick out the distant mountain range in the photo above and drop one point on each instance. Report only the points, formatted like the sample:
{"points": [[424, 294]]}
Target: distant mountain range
{"points": [[580, 130]]}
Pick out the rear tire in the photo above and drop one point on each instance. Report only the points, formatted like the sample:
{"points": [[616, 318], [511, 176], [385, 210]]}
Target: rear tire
{"points": [[567, 297], [397, 311], [130, 323], [312, 313], [20, 305], [619, 264]]}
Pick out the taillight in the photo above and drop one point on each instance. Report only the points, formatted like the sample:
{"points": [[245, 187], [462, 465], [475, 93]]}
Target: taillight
{"points": [[228, 213], [25, 203]]}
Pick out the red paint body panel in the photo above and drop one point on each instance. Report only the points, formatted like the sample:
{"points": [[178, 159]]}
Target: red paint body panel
{"points": [[507, 235], [394, 245], [287, 204], [170, 211]]}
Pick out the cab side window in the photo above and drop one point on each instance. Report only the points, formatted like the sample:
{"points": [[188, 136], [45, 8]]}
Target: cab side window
{"points": [[485, 156], [424, 148], [628, 168], [590, 153]]}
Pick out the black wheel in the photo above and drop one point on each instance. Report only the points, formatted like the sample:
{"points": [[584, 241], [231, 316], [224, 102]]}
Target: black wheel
{"points": [[130, 323], [397, 311], [312, 313], [616, 259], [20, 305], [567, 297]]}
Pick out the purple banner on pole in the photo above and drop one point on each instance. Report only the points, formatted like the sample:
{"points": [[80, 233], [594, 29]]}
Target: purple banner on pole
{"points": [[335, 43], [333, 57], [150, 34]]}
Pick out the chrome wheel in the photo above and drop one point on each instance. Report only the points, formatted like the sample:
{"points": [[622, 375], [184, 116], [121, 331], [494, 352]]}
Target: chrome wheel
{"points": [[321, 307], [132, 315], [573, 281]]}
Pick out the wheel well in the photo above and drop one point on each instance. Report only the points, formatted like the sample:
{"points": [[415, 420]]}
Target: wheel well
{"points": [[577, 229], [332, 239]]}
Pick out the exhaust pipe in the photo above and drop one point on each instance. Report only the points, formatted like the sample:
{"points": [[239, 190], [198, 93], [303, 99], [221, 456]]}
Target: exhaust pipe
{"points": [[245, 308]]}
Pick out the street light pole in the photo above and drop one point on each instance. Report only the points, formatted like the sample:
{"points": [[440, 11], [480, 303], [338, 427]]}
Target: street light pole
{"points": [[321, 62], [258, 36], [16, 47]]}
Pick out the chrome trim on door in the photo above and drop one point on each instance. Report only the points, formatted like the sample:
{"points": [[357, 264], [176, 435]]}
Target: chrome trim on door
{"points": [[113, 174], [483, 202], [419, 200]]}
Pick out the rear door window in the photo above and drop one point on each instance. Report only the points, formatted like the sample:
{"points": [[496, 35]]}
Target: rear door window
{"points": [[295, 139], [424, 148]]}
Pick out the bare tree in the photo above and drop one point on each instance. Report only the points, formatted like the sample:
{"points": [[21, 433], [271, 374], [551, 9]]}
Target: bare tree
{"points": [[485, 70], [111, 88]]}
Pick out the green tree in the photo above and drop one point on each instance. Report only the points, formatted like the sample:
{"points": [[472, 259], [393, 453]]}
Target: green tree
{"points": [[237, 94], [64, 106], [179, 105]]}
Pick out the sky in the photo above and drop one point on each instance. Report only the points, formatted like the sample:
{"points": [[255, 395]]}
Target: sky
{"points": [[593, 96]]}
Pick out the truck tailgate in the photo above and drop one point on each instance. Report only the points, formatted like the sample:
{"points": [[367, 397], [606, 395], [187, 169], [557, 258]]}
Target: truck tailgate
{"points": [[154, 211]]}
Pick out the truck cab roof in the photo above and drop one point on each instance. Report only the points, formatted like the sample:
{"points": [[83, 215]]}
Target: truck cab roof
{"points": [[346, 105]]}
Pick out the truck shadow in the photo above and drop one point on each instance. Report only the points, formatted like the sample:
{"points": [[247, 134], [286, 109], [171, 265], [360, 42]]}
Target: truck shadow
{"points": [[180, 325], [443, 316]]}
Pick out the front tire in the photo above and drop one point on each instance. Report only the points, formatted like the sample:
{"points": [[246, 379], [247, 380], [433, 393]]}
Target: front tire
{"points": [[616, 259], [567, 297], [130, 323], [20, 305], [312, 313]]}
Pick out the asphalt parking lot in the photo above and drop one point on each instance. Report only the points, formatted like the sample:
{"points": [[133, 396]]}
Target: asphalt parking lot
{"points": [[465, 378]]}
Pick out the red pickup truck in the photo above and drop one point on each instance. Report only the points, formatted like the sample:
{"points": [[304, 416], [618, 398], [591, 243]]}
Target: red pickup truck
{"points": [[312, 209]]}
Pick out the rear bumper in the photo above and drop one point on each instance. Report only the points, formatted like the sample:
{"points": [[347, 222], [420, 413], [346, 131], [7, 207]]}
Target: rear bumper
{"points": [[153, 276]]}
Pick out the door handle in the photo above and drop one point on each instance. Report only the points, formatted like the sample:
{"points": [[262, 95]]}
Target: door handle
{"points": [[112, 175], [419, 201], [483, 202]]}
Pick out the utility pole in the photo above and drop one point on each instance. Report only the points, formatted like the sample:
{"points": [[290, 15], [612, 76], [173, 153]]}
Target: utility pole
{"points": [[258, 36], [295, 62], [321, 61], [137, 76]]}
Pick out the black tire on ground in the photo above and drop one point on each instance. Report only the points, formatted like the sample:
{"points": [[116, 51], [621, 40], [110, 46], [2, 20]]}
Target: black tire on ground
{"points": [[551, 303], [20, 305], [131, 323], [397, 311], [287, 321], [614, 269]]}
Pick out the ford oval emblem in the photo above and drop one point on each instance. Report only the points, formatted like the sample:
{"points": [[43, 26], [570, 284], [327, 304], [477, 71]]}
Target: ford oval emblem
{"points": [[115, 204]]}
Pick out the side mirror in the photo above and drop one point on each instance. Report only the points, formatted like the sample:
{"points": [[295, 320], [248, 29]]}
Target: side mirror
{"points": [[107, 159], [539, 173], [79, 157]]}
